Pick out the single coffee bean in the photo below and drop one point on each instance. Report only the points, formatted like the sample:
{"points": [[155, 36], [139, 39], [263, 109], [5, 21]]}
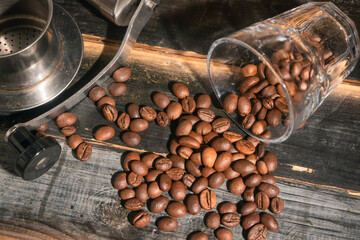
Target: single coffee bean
{"points": [[260, 150], [177, 161], [174, 110], [192, 118], [224, 234], [269, 221], [206, 114], [105, 100], [141, 192], [262, 200], [285, 74], [256, 106], [247, 208], [208, 156], [180, 90], [271, 161], [248, 195], [261, 70], [161, 100], [96, 93], [281, 105], [236, 186], [198, 236], [243, 167], [122, 74], [261, 167], [250, 220], [273, 117], [123, 121], [84, 151], [203, 128], [230, 220], [227, 207], [207, 199], [167, 224], [131, 139], [259, 231], [193, 205], [126, 194], [266, 134], [130, 156], [248, 83], [230, 173], [163, 164], [190, 142], [139, 168], [245, 147], [199, 185], [203, 101], [68, 131], [175, 174], [178, 191], [237, 156], [258, 127], [270, 190], [147, 113], [223, 161], [244, 106], [141, 219], [232, 136], [74, 141], [197, 136], [262, 114], [209, 137], [216, 180], [133, 110], [117, 89], [65, 119], [183, 128], [192, 168], [221, 144], [268, 103], [188, 180], [158, 204], [220, 125], [207, 172], [259, 86], [249, 70], [176, 209], [133, 179], [119, 181], [276, 205], [230, 102], [253, 180], [212, 220], [165, 182], [248, 121], [267, 178], [154, 190], [138, 125], [104, 133], [268, 91], [188, 104], [184, 152], [149, 158], [252, 158], [162, 119], [133, 204]]}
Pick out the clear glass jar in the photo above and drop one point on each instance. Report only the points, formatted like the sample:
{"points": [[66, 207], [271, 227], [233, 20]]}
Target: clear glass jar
{"points": [[300, 57]]}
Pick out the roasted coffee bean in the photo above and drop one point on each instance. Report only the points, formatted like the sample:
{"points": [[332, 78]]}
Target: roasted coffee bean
{"points": [[147, 113], [177, 161], [220, 125], [158, 204], [127, 193], [65, 119], [198, 236], [270, 190], [244, 106], [305, 73], [286, 121], [262, 114], [230, 173], [199, 185], [243, 167], [162, 119], [230, 220], [139, 168], [165, 182], [258, 127], [188, 104], [163, 164], [74, 141], [252, 158], [117, 89], [248, 121], [212, 220], [244, 146], [207, 171], [281, 105], [176, 209], [223, 161], [262, 200], [227, 207], [131, 156], [203, 128], [141, 219], [133, 110], [271, 77], [261, 167], [259, 86], [193, 205], [119, 181], [247, 208], [295, 69], [253, 140], [249, 70], [131, 139], [232, 136], [248, 195], [104, 133], [96, 93], [184, 152], [221, 144], [138, 125], [161, 100], [192, 118], [216, 180], [261, 70], [256, 106], [259, 231], [250, 220], [123, 121], [192, 168], [248, 83], [236, 186], [224, 234], [188, 180], [190, 142], [271, 161], [268, 103], [209, 137], [276, 205], [175, 174], [197, 136], [141, 192], [267, 178], [237, 156], [253, 180], [208, 156], [110, 112], [178, 191], [167, 224], [180, 90], [273, 117], [205, 114], [207, 199], [203, 101], [269, 221], [133, 204], [154, 190], [268, 91], [68, 131], [183, 128], [284, 73], [122, 74], [84, 151], [133, 179], [105, 100], [230, 102], [149, 158], [174, 110], [260, 149]]}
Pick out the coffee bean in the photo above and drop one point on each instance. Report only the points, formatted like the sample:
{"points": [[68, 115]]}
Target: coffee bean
{"points": [[252, 158], [96, 93], [247, 208], [133, 204], [149, 158], [192, 168], [154, 190], [141, 192], [227, 207], [267, 178], [238, 156], [190, 142], [131, 139], [248, 121], [223, 161], [177, 161], [269, 221], [224, 234], [259, 86], [133, 179], [130, 156], [261, 167], [161, 100], [74, 141], [216, 180], [248, 83], [232, 136], [273, 117], [203, 101], [188, 104], [192, 118], [262, 200], [248, 195], [271, 161], [65, 119], [230, 102], [141, 219], [230, 173], [119, 181], [253, 180], [207, 171], [117, 89], [260, 149], [236, 186], [244, 106], [68, 131], [212, 220], [193, 205], [158, 204], [262, 114], [259, 231], [199, 185], [167, 224], [175, 174], [207, 199], [138, 125], [183, 128], [174, 110], [184, 152], [221, 144], [162, 119], [188, 180], [197, 136], [258, 127], [268, 91], [105, 100], [139, 168], [203, 128], [126, 194], [198, 236], [286, 121], [250, 220], [176, 209], [208, 156], [163, 164], [84, 151], [220, 125], [245, 147], [209, 137], [123, 121], [261, 70], [104, 133], [230, 220], [205, 114], [122, 74], [256, 106], [243, 167], [276, 205], [147, 113], [281, 105], [270, 190], [133, 110], [178, 191], [249, 70], [165, 182], [180, 90]]}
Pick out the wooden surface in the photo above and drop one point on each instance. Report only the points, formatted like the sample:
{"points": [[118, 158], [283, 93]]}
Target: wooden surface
{"points": [[318, 172]]}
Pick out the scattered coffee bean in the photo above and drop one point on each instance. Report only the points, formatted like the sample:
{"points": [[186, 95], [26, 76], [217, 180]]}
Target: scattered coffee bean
{"points": [[133, 110], [188, 104], [65, 119], [230, 220], [119, 181], [84, 151], [174, 110], [259, 231], [243, 167], [176, 209], [180, 90], [207, 199], [269, 221], [190, 142], [221, 144], [198, 236], [138, 125], [167, 224], [212, 220], [207, 171], [199, 185], [175, 174], [249, 70], [163, 164], [178, 191], [183, 128], [236, 186], [133, 179], [105, 100], [188, 180], [123, 121], [230, 103], [248, 208], [126, 193], [253, 180], [205, 114], [117, 89], [141, 192], [148, 113], [162, 119], [250, 220], [141, 219], [110, 112], [224, 234], [158, 204], [133, 204], [130, 156], [270, 190], [262, 200], [149, 159], [203, 101], [177, 161], [220, 125], [96, 93], [122, 74], [161, 100], [104, 133], [131, 139], [276, 205], [227, 207], [244, 106], [139, 168], [154, 190], [152, 175], [230, 173], [203, 128], [193, 204], [74, 141], [248, 195], [68, 131], [216, 180]]}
